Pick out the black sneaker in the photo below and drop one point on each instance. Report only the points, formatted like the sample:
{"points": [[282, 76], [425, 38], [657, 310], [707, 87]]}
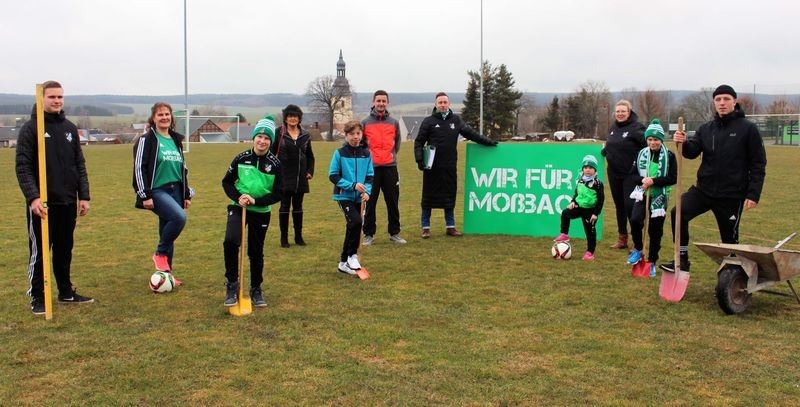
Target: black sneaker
{"points": [[670, 267], [257, 297], [37, 306], [74, 298], [231, 294]]}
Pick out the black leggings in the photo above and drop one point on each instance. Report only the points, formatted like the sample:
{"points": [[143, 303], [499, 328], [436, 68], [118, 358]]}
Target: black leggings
{"points": [[292, 201], [588, 226], [623, 204]]}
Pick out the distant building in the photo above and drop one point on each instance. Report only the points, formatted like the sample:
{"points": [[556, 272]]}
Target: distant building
{"points": [[343, 111], [8, 136]]}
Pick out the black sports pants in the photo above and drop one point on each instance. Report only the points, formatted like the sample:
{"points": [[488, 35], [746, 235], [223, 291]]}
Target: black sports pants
{"points": [[386, 179], [257, 225], [61, 228], [694, 203]]}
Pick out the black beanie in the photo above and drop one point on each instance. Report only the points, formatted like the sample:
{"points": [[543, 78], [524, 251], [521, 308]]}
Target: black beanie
{"points": [[724, 90], [292, 110]]}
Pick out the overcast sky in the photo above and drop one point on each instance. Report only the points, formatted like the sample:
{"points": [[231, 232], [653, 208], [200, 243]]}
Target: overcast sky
{"points": [[259, 46]]}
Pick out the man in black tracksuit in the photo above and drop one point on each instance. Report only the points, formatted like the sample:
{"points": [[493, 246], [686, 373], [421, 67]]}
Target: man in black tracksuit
{"points": [[731, 172], [67, 194]]}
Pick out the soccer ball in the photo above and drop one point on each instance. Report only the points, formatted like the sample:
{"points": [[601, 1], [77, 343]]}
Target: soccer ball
{"points": [[561, 250], [161, 282]]}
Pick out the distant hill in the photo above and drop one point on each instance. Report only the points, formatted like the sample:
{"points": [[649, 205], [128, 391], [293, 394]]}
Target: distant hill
{"points": [[361, 100]]}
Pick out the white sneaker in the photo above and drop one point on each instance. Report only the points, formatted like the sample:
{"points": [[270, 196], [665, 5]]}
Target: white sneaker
{"points": [[344, 269], [353, 263], [397, 239], [368, 240]]}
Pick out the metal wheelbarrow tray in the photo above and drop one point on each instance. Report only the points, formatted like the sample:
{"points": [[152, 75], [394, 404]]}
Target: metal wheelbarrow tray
{"points": [[745, 269]]}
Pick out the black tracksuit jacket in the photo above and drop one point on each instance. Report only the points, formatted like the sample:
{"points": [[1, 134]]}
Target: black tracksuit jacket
{"points": [[67, 180]]}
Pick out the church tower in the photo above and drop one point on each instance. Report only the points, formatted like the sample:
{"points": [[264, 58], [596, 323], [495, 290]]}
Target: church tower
{"points": [[343, 112]]}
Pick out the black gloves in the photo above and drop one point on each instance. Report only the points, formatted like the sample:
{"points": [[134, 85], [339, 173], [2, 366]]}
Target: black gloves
{"points": [[421, 166]]}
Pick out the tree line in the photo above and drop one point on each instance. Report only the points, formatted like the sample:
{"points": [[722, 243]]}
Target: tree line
{"points": [[77, 110]]}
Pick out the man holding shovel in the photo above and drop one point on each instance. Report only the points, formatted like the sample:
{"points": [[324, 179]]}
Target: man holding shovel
{"points": [[731, 173]]}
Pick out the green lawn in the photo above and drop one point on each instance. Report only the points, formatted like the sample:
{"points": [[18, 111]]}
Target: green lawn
{"points": [[480, 320]]}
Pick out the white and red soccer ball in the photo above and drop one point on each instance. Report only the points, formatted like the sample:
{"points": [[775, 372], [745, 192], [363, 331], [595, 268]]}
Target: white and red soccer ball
{"points": [[561, 250], [161, 282]]}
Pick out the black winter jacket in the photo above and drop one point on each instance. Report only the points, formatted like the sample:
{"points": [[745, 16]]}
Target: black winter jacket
{"points": [[145, 153], [297, 159], [67, 180], [439, 183], [625, 140], [734, 160]]}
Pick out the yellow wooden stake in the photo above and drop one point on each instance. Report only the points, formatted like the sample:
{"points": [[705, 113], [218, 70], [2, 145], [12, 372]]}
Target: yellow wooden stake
{"points": [[45, 249]]}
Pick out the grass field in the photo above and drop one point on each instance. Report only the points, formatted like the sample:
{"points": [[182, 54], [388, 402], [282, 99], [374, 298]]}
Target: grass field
{"points": [[480, 320]]}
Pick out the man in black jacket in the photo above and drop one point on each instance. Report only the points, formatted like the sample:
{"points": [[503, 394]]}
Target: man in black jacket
{"points": [[731, 172], [67, 195]]}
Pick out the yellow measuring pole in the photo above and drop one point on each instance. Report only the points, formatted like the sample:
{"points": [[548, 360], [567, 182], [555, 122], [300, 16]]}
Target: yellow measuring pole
{"points": [[45, 249]]}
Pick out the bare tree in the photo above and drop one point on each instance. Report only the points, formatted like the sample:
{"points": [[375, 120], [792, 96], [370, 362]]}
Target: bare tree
{"points": [[748, 104], [524, 115], [629, 94], [699, 106], [651, 104], [324, 97], [594, 99], [782, 105]]}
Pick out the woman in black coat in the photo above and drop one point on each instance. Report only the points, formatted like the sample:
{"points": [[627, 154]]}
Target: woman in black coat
{"points": [[625, 140], [439, 183], [293, 149]]}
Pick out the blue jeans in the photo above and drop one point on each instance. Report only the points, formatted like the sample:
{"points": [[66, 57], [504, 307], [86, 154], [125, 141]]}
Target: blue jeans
{"points": [[449, 218], [168, 205]]}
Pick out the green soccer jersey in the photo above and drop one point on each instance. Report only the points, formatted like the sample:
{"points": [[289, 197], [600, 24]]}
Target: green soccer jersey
{"points": [[169, 164]]}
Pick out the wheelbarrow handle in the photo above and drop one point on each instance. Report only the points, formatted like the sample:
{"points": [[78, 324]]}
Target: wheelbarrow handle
{"points": [[785, 240]]}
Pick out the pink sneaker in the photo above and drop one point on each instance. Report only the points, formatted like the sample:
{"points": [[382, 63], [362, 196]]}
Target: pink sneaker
{"points": [[562, 238], [161, 262], [588, 256]]}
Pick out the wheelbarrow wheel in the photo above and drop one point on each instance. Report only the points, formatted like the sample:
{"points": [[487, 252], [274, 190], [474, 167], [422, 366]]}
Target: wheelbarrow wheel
{"points": [[731, 290]]}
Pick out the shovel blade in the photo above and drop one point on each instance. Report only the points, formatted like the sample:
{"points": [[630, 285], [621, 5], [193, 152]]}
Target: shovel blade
{"points": [[362, 273], [243, 307], [673, 285], [641, 269]]}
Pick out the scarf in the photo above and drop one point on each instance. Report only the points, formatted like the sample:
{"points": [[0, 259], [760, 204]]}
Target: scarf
{"points": [[647, 168]]}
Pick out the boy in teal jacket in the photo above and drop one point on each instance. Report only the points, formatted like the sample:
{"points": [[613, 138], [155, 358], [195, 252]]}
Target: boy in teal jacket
{"points": [[351, 173]]}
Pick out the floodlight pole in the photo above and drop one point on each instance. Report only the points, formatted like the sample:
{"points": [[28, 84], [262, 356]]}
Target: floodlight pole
{"points": [[480, 73], [185, 77]]}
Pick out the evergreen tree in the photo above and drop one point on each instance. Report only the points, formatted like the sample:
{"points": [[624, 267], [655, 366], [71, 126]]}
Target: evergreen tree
{"points": [[552, 119], [500, 101], [505, 101]]}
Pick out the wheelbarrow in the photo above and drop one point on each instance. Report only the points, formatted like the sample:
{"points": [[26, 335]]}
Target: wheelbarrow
{"points": [[745, 269]]}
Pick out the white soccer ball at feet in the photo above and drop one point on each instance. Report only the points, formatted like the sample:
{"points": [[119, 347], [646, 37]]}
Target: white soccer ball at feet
{"points": [[161, 282], [561, 250]]}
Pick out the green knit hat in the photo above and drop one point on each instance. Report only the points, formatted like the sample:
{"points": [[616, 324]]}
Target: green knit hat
{"points": [[265, 126], [654, 130], [589, 161]]}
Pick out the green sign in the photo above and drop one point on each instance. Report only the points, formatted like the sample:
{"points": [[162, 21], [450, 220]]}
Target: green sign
{"points": [[521, 189]]}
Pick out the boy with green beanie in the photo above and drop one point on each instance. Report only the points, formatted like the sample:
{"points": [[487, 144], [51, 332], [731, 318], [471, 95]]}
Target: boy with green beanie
{"points": [[653, 172], [586, 204], [253, 183]]}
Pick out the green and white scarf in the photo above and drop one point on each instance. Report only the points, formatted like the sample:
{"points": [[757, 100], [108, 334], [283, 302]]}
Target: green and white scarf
{"points": [[647, 168]]}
